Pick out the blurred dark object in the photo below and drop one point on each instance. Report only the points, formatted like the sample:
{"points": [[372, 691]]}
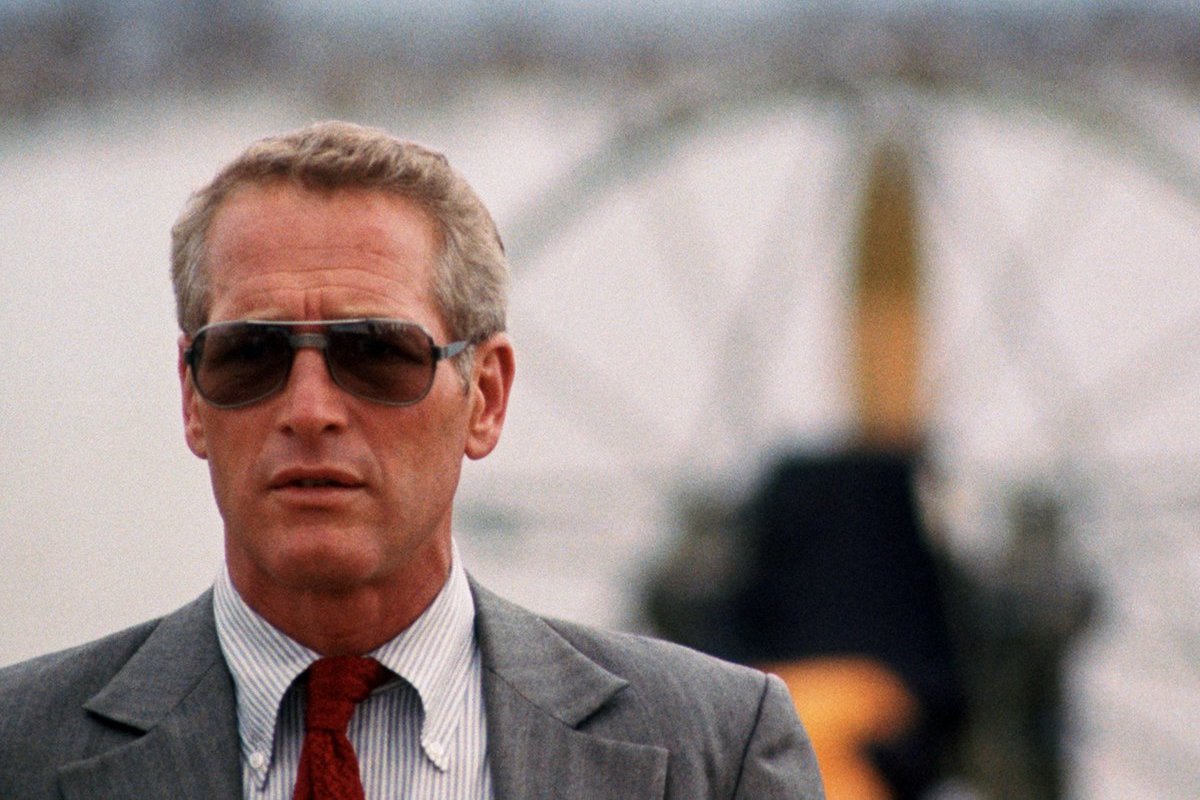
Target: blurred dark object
{"points": [[830, 559], [831, 562], [842, 568], [1015, 621]]}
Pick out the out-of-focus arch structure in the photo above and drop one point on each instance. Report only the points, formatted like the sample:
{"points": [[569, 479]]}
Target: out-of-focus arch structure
{"points": [[689, 182]]}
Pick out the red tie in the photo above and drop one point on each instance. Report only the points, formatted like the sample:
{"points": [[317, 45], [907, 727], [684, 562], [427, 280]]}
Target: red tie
{"points": [[328, 766]]}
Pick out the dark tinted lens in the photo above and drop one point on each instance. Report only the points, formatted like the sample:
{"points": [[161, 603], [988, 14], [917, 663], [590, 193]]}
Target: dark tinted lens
{"points": [[240, 363], [391, 362]]}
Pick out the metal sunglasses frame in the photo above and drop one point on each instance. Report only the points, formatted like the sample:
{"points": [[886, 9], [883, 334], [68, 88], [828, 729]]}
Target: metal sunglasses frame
{"points": [[320, 341]]}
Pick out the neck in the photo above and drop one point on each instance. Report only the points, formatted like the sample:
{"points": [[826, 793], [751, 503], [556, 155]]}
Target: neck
{"points": [[335, 619]]}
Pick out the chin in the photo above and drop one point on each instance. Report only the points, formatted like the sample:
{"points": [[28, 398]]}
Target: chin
{"points": [[323, 562], [327, 569]]}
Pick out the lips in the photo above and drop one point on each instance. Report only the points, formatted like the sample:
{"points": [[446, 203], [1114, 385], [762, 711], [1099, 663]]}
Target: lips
{"points": [[315, 478]]}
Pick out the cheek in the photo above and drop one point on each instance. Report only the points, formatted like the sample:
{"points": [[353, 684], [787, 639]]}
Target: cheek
{"points": [[231, 458], [224, 484], [421, 458]]}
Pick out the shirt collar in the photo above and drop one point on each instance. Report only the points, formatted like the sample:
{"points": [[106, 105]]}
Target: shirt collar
{"points": [[434, 654]]}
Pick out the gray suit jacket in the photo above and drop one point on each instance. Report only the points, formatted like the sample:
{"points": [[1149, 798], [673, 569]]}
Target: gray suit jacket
{"points": [[572, 712]]}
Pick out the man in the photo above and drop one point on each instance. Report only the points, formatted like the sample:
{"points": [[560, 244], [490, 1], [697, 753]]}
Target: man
{"points": [[342, 301]]}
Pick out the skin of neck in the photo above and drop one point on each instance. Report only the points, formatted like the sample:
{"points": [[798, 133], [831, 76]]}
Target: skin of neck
{"points": [[338, 620]]}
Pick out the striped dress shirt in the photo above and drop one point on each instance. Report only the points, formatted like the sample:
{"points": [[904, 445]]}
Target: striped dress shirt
{"points": [[421, 735]]}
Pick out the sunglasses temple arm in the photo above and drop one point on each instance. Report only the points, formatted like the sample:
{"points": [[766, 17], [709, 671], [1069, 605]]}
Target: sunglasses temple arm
{"points": [[450, 350]]}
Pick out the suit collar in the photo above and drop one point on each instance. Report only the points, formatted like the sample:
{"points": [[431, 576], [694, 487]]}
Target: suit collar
{"points": [[169, 664], [541, 692], [544, 669], [177, 693]]}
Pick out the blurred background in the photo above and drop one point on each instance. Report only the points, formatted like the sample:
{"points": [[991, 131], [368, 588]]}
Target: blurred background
{"points": [[855, 340]]}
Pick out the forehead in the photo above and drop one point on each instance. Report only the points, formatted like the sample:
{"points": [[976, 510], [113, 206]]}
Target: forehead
{"points": [[279, 250]]}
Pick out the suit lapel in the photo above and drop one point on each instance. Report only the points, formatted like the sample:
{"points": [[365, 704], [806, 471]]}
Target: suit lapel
{"points": [[176, 692], [176, 696], [539, 693]]}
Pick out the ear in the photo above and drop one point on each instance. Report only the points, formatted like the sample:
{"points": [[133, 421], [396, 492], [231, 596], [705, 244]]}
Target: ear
{"points": [[193, 424], [491, 382]]}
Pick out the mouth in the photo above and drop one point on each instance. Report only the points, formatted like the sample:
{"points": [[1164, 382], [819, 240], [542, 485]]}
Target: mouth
{"points": [[314, 480], [317, 483]]}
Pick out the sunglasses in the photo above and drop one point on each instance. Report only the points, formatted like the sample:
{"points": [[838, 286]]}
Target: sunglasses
{"points": [[387, 361]]}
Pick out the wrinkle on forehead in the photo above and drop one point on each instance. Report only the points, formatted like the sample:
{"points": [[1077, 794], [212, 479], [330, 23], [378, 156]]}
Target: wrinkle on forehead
{"points": [[240, 294], [322, 228], [281, 252], [331, 298]]}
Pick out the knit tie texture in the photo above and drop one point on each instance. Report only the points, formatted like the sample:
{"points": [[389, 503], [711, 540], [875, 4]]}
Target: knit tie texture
{"points": [[328, 764]]}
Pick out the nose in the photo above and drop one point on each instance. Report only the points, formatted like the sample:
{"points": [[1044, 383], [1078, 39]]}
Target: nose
{"points": [[312, 402]]}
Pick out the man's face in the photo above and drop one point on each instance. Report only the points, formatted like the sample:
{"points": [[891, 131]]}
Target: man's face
{"points": [[321, 491]]}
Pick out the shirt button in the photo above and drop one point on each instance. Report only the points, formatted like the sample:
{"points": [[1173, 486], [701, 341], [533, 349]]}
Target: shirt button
{"points": [[258, 760], [436, 751]]}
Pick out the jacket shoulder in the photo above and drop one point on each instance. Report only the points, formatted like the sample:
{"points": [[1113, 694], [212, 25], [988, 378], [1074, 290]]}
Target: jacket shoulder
{"points": [[730, 722], [67, 677], [66, 715], [43, 722], [670, 670], [664, 675]]}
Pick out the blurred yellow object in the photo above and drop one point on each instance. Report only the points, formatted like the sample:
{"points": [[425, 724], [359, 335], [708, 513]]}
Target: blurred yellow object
{"points": [[887, 326], [848, 704]]}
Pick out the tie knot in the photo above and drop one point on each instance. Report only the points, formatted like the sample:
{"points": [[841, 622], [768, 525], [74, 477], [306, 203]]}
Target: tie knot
{"points": [[336, 685]]}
